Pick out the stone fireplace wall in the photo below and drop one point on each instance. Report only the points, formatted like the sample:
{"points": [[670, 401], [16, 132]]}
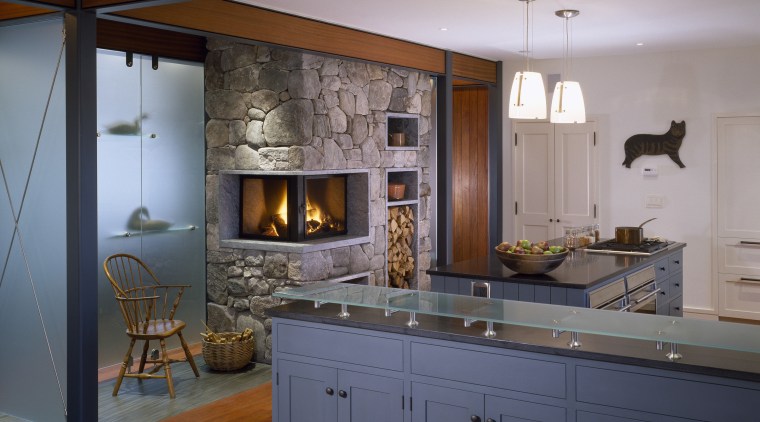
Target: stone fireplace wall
{"points": [[281, 110]]}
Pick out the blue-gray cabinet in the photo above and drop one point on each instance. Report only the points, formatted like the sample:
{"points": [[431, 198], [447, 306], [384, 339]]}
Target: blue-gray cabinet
{"points": [[314, 393], [325, 371]]}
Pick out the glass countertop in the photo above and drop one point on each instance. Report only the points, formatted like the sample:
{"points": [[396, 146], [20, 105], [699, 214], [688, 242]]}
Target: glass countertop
{"points": [[660, 328]]}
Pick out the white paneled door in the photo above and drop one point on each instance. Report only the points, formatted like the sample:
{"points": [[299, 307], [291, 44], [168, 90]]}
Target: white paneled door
{"points": [[555, 178]]}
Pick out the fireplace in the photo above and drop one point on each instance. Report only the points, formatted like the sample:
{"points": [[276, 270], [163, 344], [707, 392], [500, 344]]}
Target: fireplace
{"points": [[292, 208]]}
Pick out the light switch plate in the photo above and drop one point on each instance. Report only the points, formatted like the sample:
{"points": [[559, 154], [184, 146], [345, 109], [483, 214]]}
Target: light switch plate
{"points": [[649, 171], [654, 201]]}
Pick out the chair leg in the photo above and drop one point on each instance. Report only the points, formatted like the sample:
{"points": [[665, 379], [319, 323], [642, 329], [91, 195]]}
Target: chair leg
{"points": [[188, 355], [143, 357], [167, 368], [123, 368]]}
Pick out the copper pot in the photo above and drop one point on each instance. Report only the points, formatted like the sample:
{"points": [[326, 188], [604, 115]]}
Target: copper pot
{"points": [[630, 235]]}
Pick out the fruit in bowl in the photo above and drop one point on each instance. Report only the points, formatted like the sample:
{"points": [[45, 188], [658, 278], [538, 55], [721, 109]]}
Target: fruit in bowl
{"points": [[531, 258]]}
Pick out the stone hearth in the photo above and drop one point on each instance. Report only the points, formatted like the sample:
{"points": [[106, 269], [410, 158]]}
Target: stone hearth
{"points": [[280, 111]]}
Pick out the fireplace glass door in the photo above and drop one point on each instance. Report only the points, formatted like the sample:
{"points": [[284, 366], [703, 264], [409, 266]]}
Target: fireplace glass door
{"points": [[292, 208], [325, 206]]}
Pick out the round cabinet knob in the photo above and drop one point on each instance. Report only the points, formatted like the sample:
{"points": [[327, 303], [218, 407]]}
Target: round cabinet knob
{"points": [[329, 391], [490, 420], [551, 220], [475, 418], [662, 293], [677, 284], [662, 268], [342, 394], [558, 220], [677, 262]]}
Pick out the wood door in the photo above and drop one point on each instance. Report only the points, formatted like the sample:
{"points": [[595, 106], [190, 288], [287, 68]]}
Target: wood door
{"points": [[533, 167], [469, 167], [575, 179], [738, 173]]}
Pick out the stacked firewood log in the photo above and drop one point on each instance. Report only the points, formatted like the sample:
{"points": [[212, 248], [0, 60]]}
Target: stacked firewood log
{"points": [[400, 246]]}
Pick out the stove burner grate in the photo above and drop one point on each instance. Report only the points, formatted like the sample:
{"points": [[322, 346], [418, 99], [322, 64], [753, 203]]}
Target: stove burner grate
{"points": [[647, 246]]}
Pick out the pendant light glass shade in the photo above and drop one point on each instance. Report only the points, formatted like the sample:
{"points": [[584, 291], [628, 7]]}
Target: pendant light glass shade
{"points": [[567, 103], [527, 100]]}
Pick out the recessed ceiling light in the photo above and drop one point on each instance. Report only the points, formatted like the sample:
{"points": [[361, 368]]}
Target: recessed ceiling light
{"points": [[639, 44], [444, 29]]}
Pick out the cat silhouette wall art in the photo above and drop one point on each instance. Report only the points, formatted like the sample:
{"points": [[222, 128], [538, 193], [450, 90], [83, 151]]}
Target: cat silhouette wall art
{"points": [[668, 143]]}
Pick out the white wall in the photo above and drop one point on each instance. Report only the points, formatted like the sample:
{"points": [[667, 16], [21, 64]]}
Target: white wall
{"points": [[628, 95]]}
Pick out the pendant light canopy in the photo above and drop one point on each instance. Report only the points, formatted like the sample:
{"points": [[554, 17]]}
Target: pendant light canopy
{"points": [[567, 101], [527, 100]]}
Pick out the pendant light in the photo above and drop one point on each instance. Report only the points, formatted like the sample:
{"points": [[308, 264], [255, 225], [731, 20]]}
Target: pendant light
{"points": [[527, 100], [567, 101]]}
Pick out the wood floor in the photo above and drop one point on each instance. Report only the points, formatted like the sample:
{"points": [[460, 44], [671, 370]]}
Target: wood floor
{"points": [[253, 405], [148, 400]]}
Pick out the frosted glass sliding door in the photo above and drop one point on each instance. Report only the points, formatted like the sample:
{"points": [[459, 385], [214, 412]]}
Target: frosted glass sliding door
{"points": [[32, 221], [151, 184]]}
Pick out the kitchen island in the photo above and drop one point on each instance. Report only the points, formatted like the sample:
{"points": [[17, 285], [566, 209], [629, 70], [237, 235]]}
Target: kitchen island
{"points": [[569, 284], [376, 354]]}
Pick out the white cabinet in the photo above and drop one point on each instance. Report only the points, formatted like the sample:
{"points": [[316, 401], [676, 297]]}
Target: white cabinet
{"points": [[738, 227], [555, 178]]}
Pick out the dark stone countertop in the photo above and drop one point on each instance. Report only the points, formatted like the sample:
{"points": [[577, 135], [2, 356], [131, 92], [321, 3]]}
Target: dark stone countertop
{"points": [[581, 269], [697, 360]]}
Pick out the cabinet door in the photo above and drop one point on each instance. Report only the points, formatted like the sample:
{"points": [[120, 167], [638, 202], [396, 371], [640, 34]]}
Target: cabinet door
{"points": [[575, 180], [500, 409], [738, 204], [307, 393], [441, 404], [534, 181], [369, 398]]}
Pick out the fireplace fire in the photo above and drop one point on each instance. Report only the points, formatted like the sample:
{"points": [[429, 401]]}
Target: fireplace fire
{"points": [[292, 208]]}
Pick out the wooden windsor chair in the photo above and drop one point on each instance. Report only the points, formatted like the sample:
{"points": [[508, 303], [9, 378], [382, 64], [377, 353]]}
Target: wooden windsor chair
{"points": [[148, 308]]}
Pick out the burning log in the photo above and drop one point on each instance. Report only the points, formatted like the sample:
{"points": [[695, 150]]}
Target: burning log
{"points": [[400, 243]]}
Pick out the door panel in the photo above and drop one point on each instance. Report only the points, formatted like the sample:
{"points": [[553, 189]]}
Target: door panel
{"points": [[501, 409], [370, 398], [302, 392], [469, 167], [440, 404], [575, 175], [738, 172], [534, 181]]}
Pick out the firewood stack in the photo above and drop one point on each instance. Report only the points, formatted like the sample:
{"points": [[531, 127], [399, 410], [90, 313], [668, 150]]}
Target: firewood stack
{"points": [[400, 241]]}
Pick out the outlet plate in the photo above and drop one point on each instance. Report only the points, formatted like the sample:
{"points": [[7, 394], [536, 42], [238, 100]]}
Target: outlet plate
{"points": [[649, 171]]}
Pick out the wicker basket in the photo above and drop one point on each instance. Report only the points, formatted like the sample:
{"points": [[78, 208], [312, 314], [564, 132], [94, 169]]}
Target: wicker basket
{"points": [[228, 356]]}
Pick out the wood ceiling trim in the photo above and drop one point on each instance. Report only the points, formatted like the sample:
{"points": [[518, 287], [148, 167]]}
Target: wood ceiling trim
{"points": [[253, 23], [16, 11], [473, 68], [58, 3], [120, 36]]}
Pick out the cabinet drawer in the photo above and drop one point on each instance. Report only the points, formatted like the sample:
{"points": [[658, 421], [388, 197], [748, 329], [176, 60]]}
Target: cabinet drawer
{"points": [[675, 262], [676, 306], [366, 350], [665, 395], [739, 296], [661, 269], [491, 369], [676, 284], [735, 257]]}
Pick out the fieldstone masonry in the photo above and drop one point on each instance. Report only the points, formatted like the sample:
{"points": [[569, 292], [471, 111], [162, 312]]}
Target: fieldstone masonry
{"points": [[274, 110]]}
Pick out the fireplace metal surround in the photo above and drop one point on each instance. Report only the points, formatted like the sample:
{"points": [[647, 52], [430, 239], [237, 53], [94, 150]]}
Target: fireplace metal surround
{"points": [[355, 222]]}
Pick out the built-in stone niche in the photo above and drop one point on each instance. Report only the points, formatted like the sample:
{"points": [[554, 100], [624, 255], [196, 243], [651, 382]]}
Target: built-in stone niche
{"points": [[357, 216]]}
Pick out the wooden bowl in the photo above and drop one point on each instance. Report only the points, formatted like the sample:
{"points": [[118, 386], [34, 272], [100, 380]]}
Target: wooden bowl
{"points": [[531, 263]]}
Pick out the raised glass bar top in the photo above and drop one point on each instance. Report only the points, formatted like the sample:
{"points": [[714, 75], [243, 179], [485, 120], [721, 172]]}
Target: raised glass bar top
{"points": [[658, 328]]}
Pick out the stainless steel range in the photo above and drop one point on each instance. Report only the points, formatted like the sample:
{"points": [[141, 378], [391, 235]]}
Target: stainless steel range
{"points": [[647, 247]]}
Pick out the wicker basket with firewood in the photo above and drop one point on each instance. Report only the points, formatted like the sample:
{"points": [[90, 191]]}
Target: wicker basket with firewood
{"points": [[227, 351]]}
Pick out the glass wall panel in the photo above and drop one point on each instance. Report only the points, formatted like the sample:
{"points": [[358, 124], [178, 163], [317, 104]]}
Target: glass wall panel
{"points": [[151, 184], [33, 192]]}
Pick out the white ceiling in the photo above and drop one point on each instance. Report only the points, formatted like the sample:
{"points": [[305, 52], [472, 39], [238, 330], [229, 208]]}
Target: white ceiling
{"points": [[492, 29]]}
